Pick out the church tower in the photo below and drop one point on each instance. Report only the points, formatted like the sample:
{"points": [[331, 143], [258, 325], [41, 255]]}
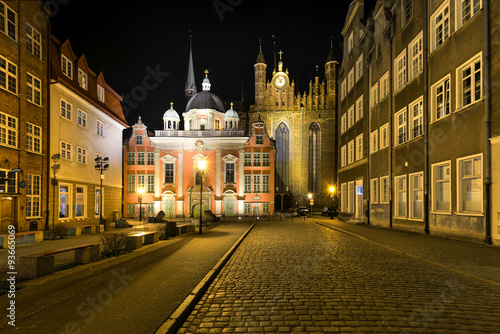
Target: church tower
{"points": [[260, 78], [331, 67], [190, 88]]}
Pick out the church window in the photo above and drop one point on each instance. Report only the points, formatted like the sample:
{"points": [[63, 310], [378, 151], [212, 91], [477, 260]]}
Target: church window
{"points": [[282, 157], [314, 158]]}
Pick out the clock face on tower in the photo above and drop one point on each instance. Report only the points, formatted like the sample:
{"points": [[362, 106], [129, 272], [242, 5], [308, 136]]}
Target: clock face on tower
{"points": [[280, 80]]}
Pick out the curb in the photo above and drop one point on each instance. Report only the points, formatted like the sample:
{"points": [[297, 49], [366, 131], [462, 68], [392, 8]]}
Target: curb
{"points": [[437, 264], [177, 318]]}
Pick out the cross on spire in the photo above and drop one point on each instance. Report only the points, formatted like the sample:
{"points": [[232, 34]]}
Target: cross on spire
{"points": [[206, 73], [280, 53]]}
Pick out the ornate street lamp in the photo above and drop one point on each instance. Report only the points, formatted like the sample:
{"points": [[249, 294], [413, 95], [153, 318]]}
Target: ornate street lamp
{"points": [[332, 193], [140, 191], [310, 203], [201, 167], [102, 164]]}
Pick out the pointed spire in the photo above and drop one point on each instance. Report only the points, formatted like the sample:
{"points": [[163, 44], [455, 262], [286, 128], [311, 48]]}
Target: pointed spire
{"points": [[190, 83], [331, 54]]}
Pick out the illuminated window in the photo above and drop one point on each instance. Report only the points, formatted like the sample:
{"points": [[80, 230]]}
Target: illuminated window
{"points": [[8, 21], [34, 138], [82, 79], [34, 90], [33, 195], [400, 196], [65, 200], [100, 93], [67, 66], [8, 75], [81, 201]]}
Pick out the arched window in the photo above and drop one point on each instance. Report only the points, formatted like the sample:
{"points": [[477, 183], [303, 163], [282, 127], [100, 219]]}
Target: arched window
{"points": [[169, 126], [314, 158], [282, 176]]}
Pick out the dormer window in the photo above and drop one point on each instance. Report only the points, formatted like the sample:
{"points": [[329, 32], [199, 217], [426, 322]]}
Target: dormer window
{"points": [[100, 93], [67, 66], [82, 79]]}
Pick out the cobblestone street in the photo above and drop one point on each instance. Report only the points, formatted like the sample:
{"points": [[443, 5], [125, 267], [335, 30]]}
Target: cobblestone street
{"points": [[299, 276]]}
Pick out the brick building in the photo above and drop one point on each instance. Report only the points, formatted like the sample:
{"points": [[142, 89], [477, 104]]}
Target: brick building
{"points": [[24, 40]]}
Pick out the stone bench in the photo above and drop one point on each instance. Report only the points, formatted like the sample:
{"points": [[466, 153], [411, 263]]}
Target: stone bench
{"points": [[28, 237], [78, 230], [136, 240], [42, 264], [185, 228]]}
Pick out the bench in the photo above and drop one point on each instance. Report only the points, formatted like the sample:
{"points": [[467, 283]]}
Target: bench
{"points": [[78, 230], [185, 228], [28, 237], [136, 240], [42, 264]]}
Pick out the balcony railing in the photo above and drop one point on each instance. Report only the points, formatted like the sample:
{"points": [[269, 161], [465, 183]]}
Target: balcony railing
{"points": [[200, 133]]}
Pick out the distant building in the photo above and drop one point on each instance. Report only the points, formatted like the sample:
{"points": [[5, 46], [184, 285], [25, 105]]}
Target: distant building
{"points": [[24, 170], [86, 121], [303, 127], [428, 72], [238, 178]]}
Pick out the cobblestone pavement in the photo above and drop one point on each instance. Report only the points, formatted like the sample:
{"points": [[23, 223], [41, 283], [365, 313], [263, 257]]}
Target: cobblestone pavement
{"points": [[302, 277]]}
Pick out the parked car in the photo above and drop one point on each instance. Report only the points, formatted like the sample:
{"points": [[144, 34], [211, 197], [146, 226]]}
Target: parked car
{"points": [[301, 211], [330, 211]]}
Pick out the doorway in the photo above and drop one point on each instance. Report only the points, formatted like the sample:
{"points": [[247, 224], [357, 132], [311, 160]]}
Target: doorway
{"points": [[359, 199], [230, 206], [7, 209]]}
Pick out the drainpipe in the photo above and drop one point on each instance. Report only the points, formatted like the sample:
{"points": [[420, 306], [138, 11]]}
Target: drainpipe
{"points": [[487, 104], [47, 118], [391, 98], [425, 60], [368, 128]]}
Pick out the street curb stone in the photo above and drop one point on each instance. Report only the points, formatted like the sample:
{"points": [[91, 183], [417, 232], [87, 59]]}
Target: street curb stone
{"points": [[177, 318]]}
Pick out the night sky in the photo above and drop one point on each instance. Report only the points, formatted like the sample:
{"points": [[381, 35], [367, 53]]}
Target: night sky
{"points": [[129, 39]]}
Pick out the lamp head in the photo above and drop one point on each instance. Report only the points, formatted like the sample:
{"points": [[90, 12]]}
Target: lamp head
{"points": [[140, 191], [310, 196], [202, 164], [332, 189]]}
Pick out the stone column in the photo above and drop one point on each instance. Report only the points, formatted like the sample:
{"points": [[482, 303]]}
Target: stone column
{"points": [[179, 189], [218, 182], [157, 201]]}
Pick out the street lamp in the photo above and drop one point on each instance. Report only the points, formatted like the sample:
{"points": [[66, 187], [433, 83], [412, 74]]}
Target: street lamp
{"points": [[201, 167], [141, 191], [102, 164], [332, 193], [55, 168], [311, 203]]}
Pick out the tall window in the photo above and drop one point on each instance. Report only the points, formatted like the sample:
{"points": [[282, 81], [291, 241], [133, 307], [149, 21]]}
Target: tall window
{"points": [[266, 159], [359, 108], [81, 155], [400, 127], [99, 198], [282, 157], [416, 196], [131, 183], [100, 93], [350, 152], [343, 156], [141, 158], [343, 197], [416, 113], [350, 80], [374, 141], [416, 60], [8, 75], [343, 89], [407, 11], [256, 183], [384, 86], [400, 196], [67, 66], [81, 192], [64, 200], [400, 71], [65, 109], [384, 189], [248, 183], [440, 25], [151, 183], [350, 42], [151, 158], [374, 191], [169, 173], [266, 183], [469, 82], [467, 9], [359, 68], [82, 118], [8, 21], [34, 90], [131, 158], [32, 195], [248, 159], [343, 123], [470, 184], [230, 172], [350, 116], [374, 95], [256, 159], [141, 181], [66, 150], [351, 197], [82, 79], [440, 95], [314, 158], [359, 147], [34, 138], [138, 139], [384, 136], [100, 127], [441, 187]]}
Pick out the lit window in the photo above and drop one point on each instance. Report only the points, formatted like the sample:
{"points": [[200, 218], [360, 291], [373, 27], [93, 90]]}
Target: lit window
{"points": [[67, 66], [8, 75], [415, 52], [467, 9], [440, 99], [34, 138], [65, 200], [100, 93], [8, 21], [469, 82], [400, 131], [440, 26], [400, 196], [400, 71], [416, 195], [82, 79], [416, 115], [33, 198], [314, 158], [81, 192]]}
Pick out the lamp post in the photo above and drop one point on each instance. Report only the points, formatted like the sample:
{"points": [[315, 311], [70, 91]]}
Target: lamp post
{"points": [[332, 193], [102, 164], [311, 203], [201, 167], [141, 191], [55, 168]]}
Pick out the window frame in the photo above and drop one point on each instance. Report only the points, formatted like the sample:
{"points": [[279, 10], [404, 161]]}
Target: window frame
{"points": [[66, 110], [247, 183], [400, 71], [359, 109], [343, 156], [359, 147], [459, 18], [460, 181], [32, 89], [81, 118], [101, 93], [33, 195], [83, 196], [384, 143], [374, 141], [350, 80], [11, 79], [66, 150], [385, 190], [415, 62], [446, 93], [32, 139], [374, 191], [435, 181], [460, 80], [343, 123], [406, 12], [68, 199], [100, 127], [419, 118], [350, 152], [445, 28], [256, 183], [350, 117], [411, 192], [83, 79], [397, 192], [6, 29], [384, 86], [374, 95], [66, 66], [81, 155], [398, 126], [359, 67]]}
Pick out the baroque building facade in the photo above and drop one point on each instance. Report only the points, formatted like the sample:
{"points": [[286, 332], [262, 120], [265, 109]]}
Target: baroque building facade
{"points": [[304, 128], [430, 119], [24, 40]]}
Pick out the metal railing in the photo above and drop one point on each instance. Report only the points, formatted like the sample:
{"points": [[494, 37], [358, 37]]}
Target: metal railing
{"points": [[199, 133]]}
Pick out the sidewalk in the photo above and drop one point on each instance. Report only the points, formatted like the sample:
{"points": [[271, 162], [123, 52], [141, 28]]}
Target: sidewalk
{"points": [[476, 260]]}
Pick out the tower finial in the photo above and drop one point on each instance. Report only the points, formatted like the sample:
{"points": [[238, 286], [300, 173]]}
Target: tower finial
{"points": [[190, 89], [206, 73], [171, 105]]}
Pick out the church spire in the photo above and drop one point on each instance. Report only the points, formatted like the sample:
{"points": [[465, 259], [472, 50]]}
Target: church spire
{"points": [[190, 83]]}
